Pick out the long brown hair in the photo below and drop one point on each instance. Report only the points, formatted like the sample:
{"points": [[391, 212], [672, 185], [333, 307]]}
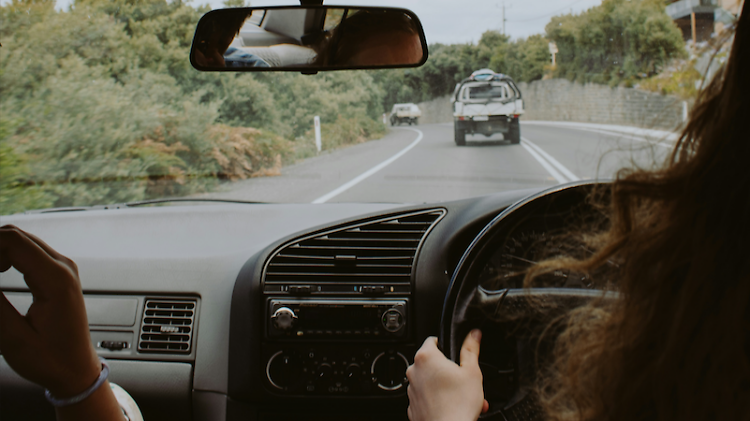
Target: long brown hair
{"points": [[676, 345]]}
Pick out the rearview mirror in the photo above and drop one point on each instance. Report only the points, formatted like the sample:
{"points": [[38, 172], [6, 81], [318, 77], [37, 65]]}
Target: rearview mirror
{"points": [[308, 39]]}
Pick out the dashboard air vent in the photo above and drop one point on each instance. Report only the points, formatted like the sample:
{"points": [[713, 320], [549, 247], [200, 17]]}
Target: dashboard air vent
{"points": [[167, 326], [376, 252]]}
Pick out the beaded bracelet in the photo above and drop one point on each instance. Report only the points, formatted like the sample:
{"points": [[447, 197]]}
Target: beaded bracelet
{"points": [[83, 395]]}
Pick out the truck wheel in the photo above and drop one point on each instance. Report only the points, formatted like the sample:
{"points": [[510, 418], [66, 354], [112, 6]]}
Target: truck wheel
{"points": [[514, 133], [460, 137]]}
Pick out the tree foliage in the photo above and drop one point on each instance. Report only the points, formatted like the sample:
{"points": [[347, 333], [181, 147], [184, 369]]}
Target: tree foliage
{"points": [[617, 41], [99, 104], [523, 59]]}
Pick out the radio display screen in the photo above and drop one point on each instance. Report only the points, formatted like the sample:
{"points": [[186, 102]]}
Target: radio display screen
{"points": [[338, 318], [334, 318]]}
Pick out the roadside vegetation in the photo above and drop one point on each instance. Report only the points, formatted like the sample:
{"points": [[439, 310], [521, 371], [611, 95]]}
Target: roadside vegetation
{"points": [[620, 42], [99, 104]]}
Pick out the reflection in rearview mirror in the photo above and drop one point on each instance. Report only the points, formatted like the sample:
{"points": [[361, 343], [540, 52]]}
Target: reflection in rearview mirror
{"points": [[308, 39]]}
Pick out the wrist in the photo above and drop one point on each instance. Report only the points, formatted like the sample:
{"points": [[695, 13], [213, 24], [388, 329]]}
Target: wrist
{"points": [[79, 382], [101, 405]]}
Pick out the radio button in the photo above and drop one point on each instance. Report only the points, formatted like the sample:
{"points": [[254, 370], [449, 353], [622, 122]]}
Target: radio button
{"points": [[373, 289], [299, 289], [283, 318]]}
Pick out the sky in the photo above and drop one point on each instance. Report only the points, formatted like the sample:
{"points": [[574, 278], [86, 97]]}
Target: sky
{"points": [[455, 21]]}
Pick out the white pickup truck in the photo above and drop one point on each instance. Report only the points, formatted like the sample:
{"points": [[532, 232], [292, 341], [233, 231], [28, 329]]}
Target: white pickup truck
{"points": [[487, 103], [405, 113]]}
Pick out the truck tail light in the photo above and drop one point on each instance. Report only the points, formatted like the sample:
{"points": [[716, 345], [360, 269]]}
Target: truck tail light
{"points": [[461, 118]]}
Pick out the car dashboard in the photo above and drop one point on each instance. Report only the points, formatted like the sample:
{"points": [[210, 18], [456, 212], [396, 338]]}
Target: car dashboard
{"points": [[257, 311]]}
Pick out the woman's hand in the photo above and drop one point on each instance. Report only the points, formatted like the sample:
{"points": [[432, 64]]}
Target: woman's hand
{"points": [[211, 58], [50, 345], [441, 390]]}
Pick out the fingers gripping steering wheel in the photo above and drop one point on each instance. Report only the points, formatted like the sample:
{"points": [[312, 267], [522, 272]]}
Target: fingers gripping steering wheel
{"points": [[517, 339]]}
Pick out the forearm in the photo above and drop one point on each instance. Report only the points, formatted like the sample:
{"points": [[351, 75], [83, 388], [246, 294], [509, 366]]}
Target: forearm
{"points": [[101, 406]]}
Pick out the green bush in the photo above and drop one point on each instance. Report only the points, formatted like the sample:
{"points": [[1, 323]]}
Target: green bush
{"points": [[619, 41], [105, 107]]}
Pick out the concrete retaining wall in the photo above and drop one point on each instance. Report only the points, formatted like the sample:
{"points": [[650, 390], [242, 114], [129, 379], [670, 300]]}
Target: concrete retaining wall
{"points": [[562, 100], [438, 110]]}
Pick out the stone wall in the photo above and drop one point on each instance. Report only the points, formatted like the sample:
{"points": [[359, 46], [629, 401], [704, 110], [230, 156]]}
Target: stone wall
{"points": [[438, 110], [562, 100]]}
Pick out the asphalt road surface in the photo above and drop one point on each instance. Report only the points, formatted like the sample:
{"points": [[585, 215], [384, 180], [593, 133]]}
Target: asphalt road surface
{"points": [[415, 164]]}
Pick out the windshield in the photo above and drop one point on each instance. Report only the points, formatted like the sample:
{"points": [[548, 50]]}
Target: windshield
{"points": [[99, 104]]}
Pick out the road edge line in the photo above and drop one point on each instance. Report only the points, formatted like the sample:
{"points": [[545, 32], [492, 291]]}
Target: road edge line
{"points": [[553, 172], [651, 133], [552, 161], [628, 136], [356, 180]]}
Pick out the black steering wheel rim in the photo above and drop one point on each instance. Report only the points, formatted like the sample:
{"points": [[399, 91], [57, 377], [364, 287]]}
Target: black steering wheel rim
{"points": [[465, 296], [457, 288]]}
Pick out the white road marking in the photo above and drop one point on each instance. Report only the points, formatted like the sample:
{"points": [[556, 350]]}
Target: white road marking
{"points": [[625, 136], [526, 143], [638, 131], [559, 177], [371, 171]]}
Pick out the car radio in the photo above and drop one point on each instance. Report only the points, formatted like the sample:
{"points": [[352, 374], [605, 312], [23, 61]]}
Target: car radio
{"points": [[336, 346], [336, 319]]}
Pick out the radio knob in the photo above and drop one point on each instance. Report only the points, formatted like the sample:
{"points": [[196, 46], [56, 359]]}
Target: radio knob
{"points": [[389, 370], [283, 371], [324, 373], [283, 318], [353, 374], [392, 320]]}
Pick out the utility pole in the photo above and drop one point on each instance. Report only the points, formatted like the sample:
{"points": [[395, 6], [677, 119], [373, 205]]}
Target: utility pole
{"points": [[503, 17], [692, 28]]}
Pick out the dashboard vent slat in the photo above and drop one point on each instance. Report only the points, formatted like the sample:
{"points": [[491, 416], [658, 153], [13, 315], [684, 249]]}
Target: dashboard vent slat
{"points": [[167, 326], [372, 252]]}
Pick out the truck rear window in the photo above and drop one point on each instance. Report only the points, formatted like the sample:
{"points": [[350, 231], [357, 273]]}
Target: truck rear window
{"points": [[488, 92]]}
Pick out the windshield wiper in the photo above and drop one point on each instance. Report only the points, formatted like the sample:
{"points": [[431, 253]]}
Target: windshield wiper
{"points": [[136, 204]]}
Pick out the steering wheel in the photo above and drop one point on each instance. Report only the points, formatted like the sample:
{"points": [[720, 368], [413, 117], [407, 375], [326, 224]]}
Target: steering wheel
{"points": [[517, 337]]}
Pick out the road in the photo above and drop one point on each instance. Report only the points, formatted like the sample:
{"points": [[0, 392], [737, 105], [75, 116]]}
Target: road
{"points": [[422, 164]]}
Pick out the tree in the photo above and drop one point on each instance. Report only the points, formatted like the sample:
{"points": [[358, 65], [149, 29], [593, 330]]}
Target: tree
{"points": [[100, 105], [524, 60], [617, 41]]}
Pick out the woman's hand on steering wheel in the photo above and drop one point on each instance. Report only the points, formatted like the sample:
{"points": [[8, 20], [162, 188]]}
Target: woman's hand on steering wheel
{"points": [[439, 389]]}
